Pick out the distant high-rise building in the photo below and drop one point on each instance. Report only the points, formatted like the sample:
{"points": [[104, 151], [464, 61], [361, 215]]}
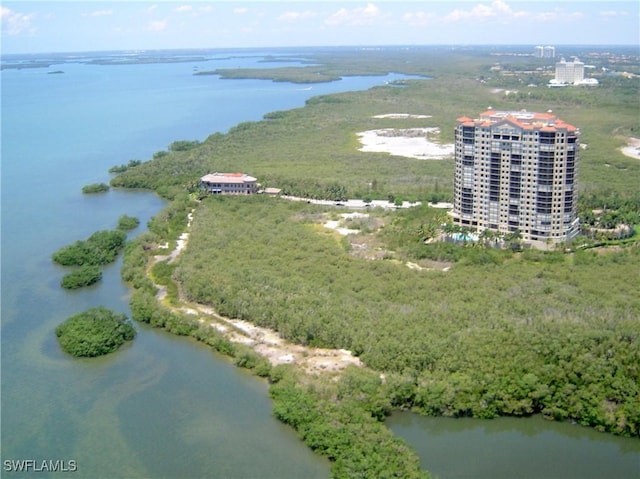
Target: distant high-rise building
{"points": [[544, 52], [569, 72], [516, 171]]}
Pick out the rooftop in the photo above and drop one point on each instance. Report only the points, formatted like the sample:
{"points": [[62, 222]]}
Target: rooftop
{"points": [[238, 178], [524, 119]]}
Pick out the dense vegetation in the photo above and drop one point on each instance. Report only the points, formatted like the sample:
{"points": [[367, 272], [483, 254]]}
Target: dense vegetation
{"points": [[85, 275], [343, 422], [577, 352], [94, 332], [610, 210], [308, 150], [126, 223], [102, 247], [95, 188], [501, 332], [122, 168], [340, 419], [183, 145]]}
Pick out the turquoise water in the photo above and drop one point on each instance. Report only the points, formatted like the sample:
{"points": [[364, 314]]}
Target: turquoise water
{"points": [[163, 406]]}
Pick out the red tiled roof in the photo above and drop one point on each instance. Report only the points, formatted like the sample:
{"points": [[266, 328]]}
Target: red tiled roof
{"points": [[522, 119], [228, 178]]}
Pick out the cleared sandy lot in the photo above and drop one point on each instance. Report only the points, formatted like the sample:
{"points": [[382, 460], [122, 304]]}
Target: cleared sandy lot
{"points": [[411, 143], [632, 149]]}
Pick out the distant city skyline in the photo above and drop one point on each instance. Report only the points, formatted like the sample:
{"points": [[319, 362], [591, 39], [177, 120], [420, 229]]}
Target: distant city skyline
{"points": [[63, 26]]}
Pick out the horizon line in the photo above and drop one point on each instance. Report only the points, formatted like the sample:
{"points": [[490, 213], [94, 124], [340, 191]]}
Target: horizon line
{"points": [[354, 46]]}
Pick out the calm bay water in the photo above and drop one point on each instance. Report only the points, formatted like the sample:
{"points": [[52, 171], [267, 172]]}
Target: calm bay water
{"points": [[529, 448], [163, 406]]}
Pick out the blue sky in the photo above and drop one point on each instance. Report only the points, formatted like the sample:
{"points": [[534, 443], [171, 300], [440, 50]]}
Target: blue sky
{"points": [[65, 26]]}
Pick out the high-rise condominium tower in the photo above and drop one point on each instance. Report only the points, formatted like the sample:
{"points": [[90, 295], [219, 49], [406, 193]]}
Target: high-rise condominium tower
{"points": [[516, 171], [544, 52], [569, 72]]}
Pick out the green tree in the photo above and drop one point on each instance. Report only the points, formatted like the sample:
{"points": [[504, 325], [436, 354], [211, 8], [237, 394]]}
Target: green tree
{"points": [[101, 247], [95, 188], [94, 332], [83, 276]]}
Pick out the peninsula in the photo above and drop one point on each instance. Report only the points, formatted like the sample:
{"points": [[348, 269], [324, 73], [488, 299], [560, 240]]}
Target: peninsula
{"points": [[468, 330]]}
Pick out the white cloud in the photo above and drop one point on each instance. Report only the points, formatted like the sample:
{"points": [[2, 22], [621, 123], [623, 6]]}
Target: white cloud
{"points": [[16, 23], [151, 8], [420, 19], [98, 13], [613, 13], [355, 16], [184, 8], [295, 16], [556, 15], [240, 10], [157, 25], [497, 13], [481, 11]]}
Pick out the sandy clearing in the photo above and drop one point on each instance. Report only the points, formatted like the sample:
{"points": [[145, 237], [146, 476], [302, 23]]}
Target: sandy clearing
{"points": [[400, 116], [632, 149], [417, 145], [335, 224]]}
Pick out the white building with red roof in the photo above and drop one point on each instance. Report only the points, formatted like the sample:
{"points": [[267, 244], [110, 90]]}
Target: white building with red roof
{"points": [[517, 171], [229, 184]]}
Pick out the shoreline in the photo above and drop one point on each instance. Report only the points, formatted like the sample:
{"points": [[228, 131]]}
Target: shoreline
{"points": [[266, 342]]}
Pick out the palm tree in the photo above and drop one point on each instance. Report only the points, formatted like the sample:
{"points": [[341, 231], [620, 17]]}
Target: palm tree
{"points": [[514, 238], [488, 236]]}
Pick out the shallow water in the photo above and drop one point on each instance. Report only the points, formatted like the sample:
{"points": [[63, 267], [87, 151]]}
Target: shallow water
{"points": [[162, 406]]}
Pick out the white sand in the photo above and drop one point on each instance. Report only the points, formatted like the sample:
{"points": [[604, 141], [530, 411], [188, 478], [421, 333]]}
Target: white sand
{"points": [[335, 225], [401, 116], [415, 146], [632, 149], [181, 243]]}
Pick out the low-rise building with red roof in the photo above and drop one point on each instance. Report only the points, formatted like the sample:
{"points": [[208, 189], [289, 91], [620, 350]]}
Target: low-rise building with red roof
{"points": [[229, 184]]}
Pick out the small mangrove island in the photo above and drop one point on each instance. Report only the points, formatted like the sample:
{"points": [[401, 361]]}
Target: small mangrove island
{"points": [[101, 248], [95, 188], [94, 332]]}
